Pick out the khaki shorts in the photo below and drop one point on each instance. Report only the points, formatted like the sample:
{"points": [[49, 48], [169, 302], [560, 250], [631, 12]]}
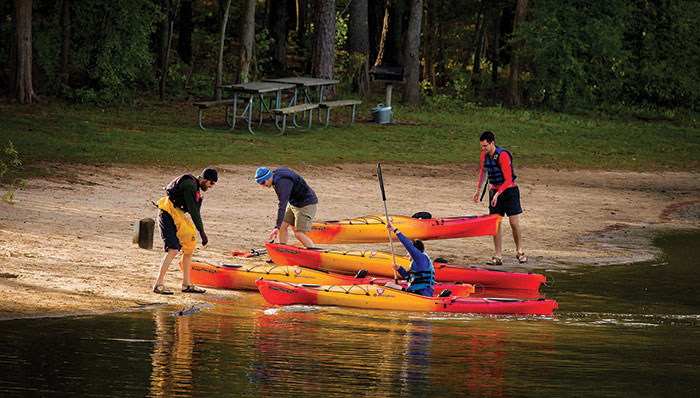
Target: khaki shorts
{"points": [[300, 217]]}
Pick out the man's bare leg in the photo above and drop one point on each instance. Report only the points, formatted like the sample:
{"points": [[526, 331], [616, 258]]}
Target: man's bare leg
{"points": [[305, 240], [164, 264]]}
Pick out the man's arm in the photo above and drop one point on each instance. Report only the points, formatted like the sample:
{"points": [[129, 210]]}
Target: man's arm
{"points": [[283, 188], [481, 176], [402, 271], [504, 162], [412, 251], [189, 193]]}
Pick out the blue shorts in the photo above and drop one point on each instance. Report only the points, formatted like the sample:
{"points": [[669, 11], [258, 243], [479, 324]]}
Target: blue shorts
{"points": [[508, 202], [168, 231]]}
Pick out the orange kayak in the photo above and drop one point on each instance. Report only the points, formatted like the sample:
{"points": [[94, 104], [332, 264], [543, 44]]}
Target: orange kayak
{"points": [[379, 264], [372, 229], [233, 276], [380, 297]]}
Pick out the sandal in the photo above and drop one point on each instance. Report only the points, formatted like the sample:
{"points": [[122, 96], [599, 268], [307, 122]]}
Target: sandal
{"points": [[521, 257], [495, 261], [192, 289], [160, 289]]}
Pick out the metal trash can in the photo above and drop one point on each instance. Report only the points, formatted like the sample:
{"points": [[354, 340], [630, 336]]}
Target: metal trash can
{"points": [[382, 114]]}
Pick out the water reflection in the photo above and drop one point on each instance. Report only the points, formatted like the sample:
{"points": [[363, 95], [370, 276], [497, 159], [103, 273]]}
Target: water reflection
{"points": [[621, 331], [172, 357], [414, 376]]}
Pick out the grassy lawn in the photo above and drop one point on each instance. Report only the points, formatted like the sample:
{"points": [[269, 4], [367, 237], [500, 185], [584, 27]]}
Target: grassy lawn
{"points": [[167, 134]]}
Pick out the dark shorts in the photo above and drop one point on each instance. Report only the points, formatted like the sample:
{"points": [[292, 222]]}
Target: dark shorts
{"points": [[508, 202], [168, 231]]}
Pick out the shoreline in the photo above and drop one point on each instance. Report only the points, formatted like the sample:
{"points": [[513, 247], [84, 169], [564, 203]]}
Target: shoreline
{"points": [[68, 236]]}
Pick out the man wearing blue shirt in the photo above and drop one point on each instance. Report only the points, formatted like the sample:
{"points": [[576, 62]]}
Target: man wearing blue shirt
{"points": [[297, 203]]}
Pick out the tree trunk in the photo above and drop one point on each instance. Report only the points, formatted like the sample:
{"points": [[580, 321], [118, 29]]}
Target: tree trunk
{"points": [[514, 90], [278, 26], [376, 11], [65, 41], [21, 87], [184, 42], [171, 13], [412, 58], [162, 34], [396, 33], [481, 27], [247, 38], [427, 44], [382, 41], [303, 32], [220, 64], [494, 48], [324, 42], [358, 42]]}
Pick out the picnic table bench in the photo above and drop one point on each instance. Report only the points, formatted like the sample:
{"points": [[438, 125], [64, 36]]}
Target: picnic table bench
{"points": [[202, 105], [328, 105], [293, 110]]}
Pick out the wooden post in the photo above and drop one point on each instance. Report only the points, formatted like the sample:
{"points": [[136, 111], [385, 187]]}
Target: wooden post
{"points": [[143, 233]]}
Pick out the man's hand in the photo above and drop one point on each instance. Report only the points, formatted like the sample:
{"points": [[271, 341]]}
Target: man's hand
{"points": [[205, 240], [476, 196], [273, 234], [495, 199], [396, 266]]}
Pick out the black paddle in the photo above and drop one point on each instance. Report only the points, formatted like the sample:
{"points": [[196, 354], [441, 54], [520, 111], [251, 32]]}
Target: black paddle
{"points": [[486, 184], [386, 212]]}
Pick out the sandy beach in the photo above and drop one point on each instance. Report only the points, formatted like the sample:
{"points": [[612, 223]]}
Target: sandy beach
{"points": [[66, 241]]}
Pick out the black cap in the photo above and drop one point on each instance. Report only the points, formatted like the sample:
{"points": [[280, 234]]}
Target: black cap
{"points": [[210, 174]]}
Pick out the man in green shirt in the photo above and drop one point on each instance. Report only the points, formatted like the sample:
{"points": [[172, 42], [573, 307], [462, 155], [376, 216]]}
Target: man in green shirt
{"points": [[178, 232]]}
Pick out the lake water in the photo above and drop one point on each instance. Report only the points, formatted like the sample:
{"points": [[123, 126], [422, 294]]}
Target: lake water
{"points": [[620, 331]]}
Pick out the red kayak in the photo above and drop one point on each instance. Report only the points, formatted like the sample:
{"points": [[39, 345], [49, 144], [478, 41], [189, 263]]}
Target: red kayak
{"points": [[379, 264], [384, 298]]}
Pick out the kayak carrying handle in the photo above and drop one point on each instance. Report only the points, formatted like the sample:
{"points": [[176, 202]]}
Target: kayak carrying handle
{"points": [[549, 280]]}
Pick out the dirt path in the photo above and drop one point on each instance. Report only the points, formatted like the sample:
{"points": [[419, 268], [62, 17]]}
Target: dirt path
{"points": [[66, 244]]}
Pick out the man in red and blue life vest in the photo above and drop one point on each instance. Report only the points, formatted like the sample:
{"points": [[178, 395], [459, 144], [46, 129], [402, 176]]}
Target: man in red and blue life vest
{"points": [[421, 272], [178, 232], [504, 195]]}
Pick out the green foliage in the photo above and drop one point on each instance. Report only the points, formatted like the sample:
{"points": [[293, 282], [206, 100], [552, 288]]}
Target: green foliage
{"points": [[664, 43], [10, 162], [341, 30], [260, 64], [109, 50], [600, 55], [347, 68], [575, 52]]}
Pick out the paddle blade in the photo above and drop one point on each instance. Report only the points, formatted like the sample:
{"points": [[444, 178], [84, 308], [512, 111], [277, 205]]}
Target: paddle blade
{"points": [[381, 181]]}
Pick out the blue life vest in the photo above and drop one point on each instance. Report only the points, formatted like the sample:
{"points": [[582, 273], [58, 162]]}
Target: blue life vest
{"points": [[419, 280], [494, 169]]}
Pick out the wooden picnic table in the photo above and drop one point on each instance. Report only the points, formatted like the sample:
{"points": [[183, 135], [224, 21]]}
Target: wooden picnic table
{"points": [[258, 90]]}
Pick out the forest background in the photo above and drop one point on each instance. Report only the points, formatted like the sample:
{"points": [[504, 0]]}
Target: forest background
{"points": [[611, 84], [571, 55]]}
